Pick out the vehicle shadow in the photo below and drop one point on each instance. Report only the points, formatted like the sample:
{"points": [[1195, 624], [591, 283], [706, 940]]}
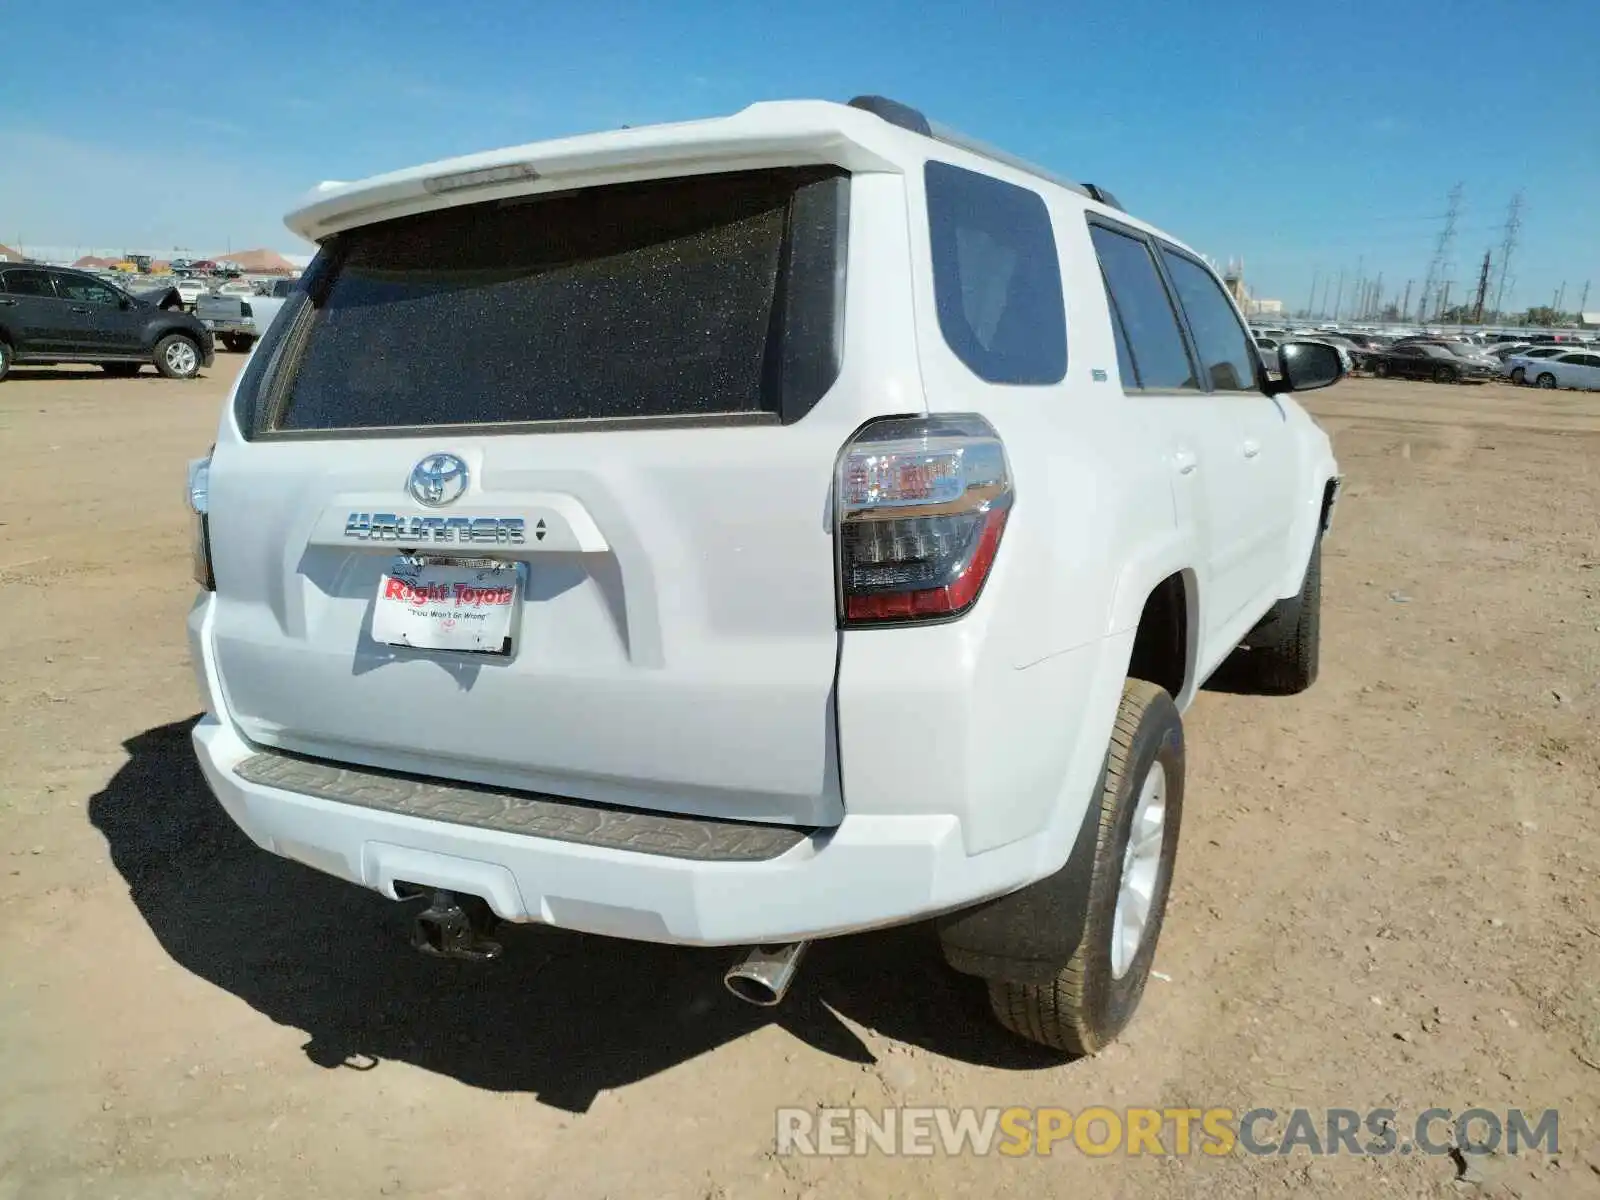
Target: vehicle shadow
{"points": [[560, 1015], [1233, 677]]}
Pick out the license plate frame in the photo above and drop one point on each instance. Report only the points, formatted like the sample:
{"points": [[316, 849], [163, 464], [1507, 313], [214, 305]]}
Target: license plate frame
{"points": [[448, 604]]}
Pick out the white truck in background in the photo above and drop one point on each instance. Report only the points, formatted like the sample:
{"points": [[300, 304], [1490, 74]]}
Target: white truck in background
{"points": [[238, 321]]}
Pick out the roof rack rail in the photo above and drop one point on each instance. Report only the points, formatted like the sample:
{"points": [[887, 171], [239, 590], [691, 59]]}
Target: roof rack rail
{"points": [[906, 117]]}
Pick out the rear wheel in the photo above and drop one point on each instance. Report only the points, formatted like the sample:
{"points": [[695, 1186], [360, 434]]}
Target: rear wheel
{"points": [[1444, 375], [1518, 376], [1140, 800], [1547, 380], [237, 342], [1381, 369], [177, 357], [121, 369]]}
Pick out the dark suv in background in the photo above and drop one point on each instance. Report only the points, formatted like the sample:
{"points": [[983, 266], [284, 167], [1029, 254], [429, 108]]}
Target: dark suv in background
{"points": [[55, 315]]}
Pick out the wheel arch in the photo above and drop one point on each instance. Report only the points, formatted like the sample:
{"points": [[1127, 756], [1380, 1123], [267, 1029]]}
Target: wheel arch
{"points": [[158, 329]]}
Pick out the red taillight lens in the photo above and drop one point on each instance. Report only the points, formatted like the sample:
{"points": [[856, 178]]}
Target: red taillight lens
{"points": [[922, 505]]}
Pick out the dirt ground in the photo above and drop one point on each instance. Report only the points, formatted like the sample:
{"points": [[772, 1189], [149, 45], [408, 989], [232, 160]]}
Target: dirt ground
{"points": [[1388, 891]]}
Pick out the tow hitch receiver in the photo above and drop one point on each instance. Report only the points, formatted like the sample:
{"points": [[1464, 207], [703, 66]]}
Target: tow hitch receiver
{"points": [[455, 926]]}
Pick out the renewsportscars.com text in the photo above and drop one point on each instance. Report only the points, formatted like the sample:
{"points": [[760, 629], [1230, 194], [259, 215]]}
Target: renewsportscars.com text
{"points": [[1100, 1131]]}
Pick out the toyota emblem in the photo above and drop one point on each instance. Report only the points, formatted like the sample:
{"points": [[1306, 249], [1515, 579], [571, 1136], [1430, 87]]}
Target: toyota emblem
{"points": [[438, 480]]}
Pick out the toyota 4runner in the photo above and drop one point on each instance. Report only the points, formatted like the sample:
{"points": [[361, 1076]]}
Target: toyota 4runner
{"points": [[748, 531]]}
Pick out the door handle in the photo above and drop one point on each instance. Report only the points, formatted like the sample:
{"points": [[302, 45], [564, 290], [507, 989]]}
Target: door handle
{"points": [[1251, 448], [1185, 461]]}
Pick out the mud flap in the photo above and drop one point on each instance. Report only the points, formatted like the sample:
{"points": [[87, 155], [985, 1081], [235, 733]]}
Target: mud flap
{"points": [[1031, 934]]}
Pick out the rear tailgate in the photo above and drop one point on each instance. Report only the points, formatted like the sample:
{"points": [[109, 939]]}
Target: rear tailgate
{"points": [[624, 372]]}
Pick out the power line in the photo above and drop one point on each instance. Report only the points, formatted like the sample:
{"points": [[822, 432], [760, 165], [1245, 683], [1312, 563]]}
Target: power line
{"points": [[1483, 289], [1441, 250], [1507, 245]]}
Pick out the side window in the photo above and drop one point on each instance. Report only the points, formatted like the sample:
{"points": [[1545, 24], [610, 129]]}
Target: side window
{"points": [[85, 291], [1154, 342], [1218, 336], [29, 283], [996, 277], [1125, 363]]}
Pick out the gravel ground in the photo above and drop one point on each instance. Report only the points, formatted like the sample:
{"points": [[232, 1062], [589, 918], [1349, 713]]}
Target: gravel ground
{"points": [[1388, 892]]}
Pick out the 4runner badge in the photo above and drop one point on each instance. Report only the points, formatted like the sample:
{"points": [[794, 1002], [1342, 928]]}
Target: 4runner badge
{"points": [[389, 527]]}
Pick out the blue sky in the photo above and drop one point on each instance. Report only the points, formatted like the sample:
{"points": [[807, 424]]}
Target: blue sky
{"points": [[1300, 137]]}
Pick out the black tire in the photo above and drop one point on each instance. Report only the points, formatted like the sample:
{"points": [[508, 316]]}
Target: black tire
{"points": [[1086, 1006], [1381, 369], [237, 342], [1284, 651], [1518, 376], [171, 359], [121, 370], [5, 358], [1547, 380], [1444, 375]]}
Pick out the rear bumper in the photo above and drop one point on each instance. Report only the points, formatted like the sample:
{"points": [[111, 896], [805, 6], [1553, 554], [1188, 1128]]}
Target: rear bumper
{"points": [[870, 871]]}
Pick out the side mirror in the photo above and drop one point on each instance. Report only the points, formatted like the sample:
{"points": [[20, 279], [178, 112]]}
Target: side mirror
{"points": [[1306, 366]]}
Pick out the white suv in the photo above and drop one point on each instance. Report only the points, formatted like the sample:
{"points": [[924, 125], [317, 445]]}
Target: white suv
{"points": [[749, 531]]}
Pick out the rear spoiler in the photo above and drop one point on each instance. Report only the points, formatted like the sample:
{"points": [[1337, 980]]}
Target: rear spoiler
{"points": [[766, 135]]}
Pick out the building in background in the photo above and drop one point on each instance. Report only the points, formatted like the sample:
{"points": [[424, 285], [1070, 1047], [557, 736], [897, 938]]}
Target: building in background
{"points": [[7, 254]]}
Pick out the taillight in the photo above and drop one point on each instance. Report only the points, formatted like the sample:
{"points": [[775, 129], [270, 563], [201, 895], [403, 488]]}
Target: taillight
{"points": [[200, 506], [922, 503]]}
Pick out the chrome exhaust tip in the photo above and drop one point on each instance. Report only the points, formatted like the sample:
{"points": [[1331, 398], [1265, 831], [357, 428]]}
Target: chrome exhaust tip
{"points": [[762, 977]]}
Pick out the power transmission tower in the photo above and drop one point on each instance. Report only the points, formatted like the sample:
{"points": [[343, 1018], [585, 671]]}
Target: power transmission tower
{"points": [[1561, 294], [1312, 303], [1483, 290], [1441, 251], [1583, 301], [1338, 297], [1508, 243], [1405, 305]]}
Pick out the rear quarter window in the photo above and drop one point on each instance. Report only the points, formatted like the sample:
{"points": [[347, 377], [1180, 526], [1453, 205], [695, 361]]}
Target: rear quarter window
{"points": [[996, 277]]}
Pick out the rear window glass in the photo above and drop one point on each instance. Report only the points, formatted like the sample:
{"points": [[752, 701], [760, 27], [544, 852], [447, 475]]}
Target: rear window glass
{"points": [[707, 296]]}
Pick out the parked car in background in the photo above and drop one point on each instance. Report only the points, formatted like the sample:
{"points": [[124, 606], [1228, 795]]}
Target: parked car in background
{"points": [[1474, 354], [191, 290], [161, 293], [1501, 351], [1522, 367], [1570, 369], [57, 315], [239, 318], [1428, 360]]}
